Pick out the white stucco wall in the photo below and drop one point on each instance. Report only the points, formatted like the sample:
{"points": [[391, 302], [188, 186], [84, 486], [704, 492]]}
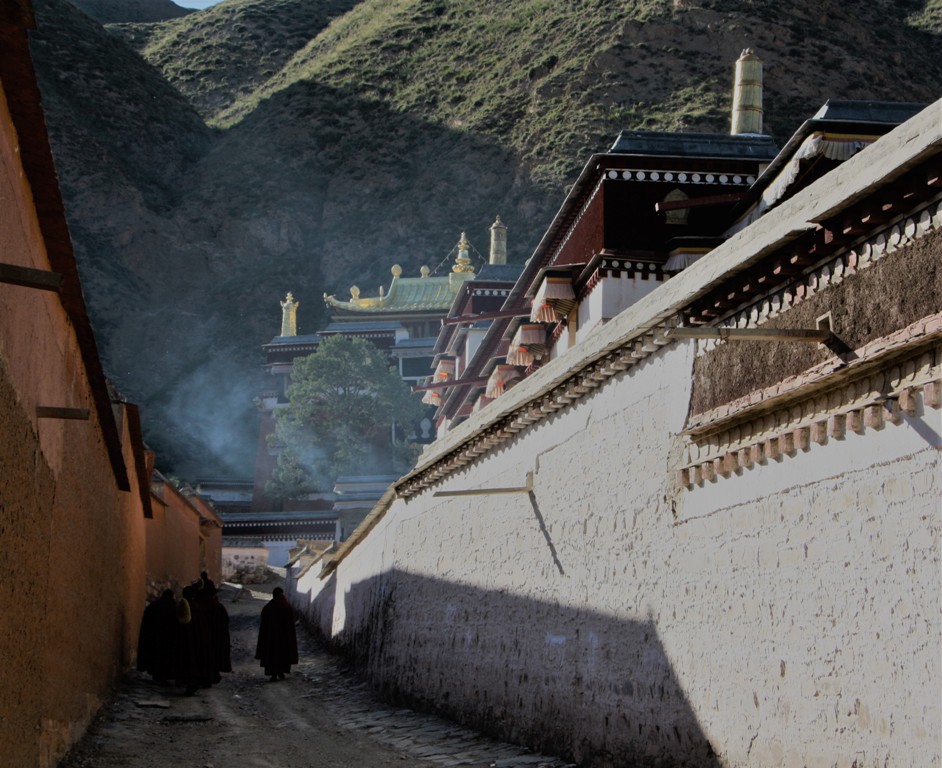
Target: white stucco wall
{"points": [[611, 296], [786, 616]]}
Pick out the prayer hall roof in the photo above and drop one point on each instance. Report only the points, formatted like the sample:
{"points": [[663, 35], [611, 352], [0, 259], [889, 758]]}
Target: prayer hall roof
{"points": [[411, 294]]}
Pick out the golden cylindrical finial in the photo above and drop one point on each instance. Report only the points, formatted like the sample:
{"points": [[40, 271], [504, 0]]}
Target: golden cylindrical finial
{"points": [[498, 253], [747, 94], [289, 316]]}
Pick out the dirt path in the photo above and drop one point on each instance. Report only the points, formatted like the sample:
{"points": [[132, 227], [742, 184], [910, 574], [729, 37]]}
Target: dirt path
{"points": [[320, 715]]}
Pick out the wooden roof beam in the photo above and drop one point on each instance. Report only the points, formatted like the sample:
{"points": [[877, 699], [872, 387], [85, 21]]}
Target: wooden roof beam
{"points": [[486, 316]]}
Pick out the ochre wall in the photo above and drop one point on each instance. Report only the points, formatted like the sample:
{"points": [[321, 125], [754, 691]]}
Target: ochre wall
{"points": [[71, 543], [174, 531]]}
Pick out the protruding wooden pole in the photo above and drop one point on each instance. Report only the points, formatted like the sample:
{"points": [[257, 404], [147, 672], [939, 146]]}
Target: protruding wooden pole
{"points": [[48, 412], [751, 334], [30, 278]]}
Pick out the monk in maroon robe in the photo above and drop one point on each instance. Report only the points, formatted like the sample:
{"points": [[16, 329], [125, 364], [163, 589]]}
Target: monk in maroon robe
{"points": [[277, 647], [155, 644]]}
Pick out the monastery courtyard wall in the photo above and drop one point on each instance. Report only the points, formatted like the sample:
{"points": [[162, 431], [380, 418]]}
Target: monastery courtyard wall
{"points": [[709, 569], [787, 616]]}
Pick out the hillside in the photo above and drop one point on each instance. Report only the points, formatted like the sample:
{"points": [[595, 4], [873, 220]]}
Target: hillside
{"points": [[263, 146], [219, 56], [108, 11]]}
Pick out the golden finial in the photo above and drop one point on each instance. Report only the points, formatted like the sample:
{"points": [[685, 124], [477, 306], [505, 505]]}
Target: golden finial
{"points": [[289, 316], [463, 262], [354, 294], [396, 270], [424, 271]]}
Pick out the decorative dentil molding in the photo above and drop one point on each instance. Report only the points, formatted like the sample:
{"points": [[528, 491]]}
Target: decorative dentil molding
{"points": [[773, 423]]}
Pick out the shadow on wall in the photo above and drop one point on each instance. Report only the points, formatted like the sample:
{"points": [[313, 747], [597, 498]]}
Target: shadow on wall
{"points": [[589, 687]]}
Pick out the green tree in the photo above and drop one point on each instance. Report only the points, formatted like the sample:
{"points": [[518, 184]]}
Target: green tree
{"points": [[348, 412]]}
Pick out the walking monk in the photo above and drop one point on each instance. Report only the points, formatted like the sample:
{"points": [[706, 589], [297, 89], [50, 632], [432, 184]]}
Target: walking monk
{"points": [[277, 647]]}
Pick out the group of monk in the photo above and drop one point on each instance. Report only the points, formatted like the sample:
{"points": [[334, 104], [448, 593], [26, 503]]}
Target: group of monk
{"points": [[186, 641]]}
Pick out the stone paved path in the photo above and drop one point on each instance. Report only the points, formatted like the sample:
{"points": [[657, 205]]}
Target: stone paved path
{"points": [[322, 715]]}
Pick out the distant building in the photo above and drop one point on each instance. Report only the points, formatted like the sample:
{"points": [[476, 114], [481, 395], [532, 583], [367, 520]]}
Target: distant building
{"points": [[457, 383], [403, 320]]}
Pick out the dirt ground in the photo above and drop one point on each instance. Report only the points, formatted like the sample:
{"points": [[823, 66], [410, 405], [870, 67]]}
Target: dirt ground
{"points": [[320, 715]]}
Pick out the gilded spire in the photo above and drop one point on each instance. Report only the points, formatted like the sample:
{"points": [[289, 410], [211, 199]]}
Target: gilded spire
{"points": [[289, 316], [463, 262]]}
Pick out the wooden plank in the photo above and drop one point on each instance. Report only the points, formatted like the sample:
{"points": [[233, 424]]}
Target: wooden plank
{"points": [[48, 412], [751, 334], [30, 278], [490, 491]]}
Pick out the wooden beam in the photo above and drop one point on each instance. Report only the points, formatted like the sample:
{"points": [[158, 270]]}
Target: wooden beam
{"points": [[785, 268], [751, 334], [30, 278], [873, 217], [697, 202], [485, 316], [852, 227], [449, 383], [48, 412], [489, 491]]}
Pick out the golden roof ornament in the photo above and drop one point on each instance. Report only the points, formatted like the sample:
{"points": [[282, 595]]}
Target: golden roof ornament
{"points": [[354, 294], [463, 262], [289, 316]]}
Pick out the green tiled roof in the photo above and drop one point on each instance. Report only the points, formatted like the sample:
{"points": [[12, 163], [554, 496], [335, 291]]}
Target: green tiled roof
{"points": [[412, 294]]}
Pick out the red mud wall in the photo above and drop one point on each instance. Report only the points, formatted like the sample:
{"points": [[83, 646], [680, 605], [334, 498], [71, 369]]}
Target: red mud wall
{"points": [[71, 544]]}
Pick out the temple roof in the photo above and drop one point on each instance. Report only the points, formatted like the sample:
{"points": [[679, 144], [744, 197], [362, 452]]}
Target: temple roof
{"points": [[363, 325], [310, 338], [700, 145], [412, 294], [406, 294], [499, 273], [419, 343]]}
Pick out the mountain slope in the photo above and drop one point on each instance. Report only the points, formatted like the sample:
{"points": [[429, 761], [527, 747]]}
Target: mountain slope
{"points": [[347, 137], [220, 55], [552, 81], [109, 11]]}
